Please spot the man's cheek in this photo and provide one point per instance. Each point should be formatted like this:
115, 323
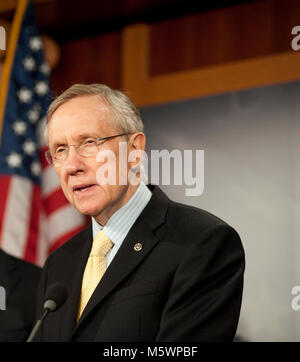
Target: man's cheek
67, 192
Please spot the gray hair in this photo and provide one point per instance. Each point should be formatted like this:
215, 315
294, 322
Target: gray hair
126, 117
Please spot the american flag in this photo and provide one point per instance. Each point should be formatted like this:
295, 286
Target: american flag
35, 217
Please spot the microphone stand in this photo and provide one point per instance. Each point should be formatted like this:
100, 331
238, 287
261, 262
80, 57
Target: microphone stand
37, 326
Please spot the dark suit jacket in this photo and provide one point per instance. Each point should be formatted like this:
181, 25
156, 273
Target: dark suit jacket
184, 285
20, 280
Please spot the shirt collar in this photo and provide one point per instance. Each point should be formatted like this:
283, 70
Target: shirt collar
119, 224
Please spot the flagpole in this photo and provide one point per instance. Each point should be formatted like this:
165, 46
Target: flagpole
10, 55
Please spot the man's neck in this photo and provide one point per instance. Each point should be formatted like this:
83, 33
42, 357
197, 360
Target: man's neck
103, 218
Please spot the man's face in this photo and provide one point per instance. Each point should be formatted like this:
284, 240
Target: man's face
78, 118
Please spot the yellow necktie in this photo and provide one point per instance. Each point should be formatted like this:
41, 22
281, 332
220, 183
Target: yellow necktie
94, 269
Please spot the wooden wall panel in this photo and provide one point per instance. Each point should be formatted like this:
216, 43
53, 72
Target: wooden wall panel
224, 35
89, 60
148, 90
217, 51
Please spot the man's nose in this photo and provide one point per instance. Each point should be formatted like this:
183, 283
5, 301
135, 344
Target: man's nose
74, 163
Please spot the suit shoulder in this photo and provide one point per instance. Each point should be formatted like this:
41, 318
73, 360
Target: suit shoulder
184, 222
72, 243
201, 230
193, 216
31, 271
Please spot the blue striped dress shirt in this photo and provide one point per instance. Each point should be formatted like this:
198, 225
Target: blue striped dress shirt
119, 224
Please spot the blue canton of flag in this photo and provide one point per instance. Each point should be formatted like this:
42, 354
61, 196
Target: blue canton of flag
27, 102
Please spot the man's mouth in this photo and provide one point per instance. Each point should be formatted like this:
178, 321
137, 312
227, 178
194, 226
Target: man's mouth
82, 188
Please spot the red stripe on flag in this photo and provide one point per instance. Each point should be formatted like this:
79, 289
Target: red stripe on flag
55, 201
62, 239
43, 160
4, 184
30, 252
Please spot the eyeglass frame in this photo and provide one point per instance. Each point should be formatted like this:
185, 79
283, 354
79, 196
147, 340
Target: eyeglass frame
50, 159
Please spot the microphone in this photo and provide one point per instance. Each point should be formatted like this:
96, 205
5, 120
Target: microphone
55, 297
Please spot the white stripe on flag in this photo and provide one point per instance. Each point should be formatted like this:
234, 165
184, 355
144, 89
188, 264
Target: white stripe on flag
50, 181
41, 132
17, 214
63, 221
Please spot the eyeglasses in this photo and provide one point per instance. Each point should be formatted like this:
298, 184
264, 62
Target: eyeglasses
86, 148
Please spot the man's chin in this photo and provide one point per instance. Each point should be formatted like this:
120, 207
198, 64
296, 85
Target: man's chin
87, 210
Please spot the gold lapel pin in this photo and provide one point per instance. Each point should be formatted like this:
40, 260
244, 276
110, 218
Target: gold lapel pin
138, 247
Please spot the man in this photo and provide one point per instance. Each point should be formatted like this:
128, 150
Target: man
19, 281
165, 271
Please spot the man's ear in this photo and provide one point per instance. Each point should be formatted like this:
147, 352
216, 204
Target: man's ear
137, 141
136, 149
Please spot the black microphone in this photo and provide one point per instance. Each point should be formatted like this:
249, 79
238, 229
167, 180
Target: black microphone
55, 297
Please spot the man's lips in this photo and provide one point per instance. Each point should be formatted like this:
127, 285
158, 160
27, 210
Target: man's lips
82, 188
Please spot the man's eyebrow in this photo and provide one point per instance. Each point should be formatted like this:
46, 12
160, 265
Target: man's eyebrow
57, 144
78, 139
88, 135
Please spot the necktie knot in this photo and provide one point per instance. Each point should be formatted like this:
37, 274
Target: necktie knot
101, 244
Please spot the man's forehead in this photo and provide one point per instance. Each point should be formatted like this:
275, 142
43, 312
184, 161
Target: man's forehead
77, 126
79, 130
82, 110
83, 105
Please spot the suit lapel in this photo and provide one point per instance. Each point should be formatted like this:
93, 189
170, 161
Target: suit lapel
73, 278
127, 259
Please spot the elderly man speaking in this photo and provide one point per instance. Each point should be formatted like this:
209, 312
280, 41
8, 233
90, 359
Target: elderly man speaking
147, 269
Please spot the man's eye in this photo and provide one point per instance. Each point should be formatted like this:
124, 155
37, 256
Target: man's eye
60, 150
89, 142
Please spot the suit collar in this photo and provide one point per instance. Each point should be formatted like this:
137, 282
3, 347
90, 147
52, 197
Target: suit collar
155, 211
127, 259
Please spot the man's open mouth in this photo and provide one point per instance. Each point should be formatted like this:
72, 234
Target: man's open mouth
82, 188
